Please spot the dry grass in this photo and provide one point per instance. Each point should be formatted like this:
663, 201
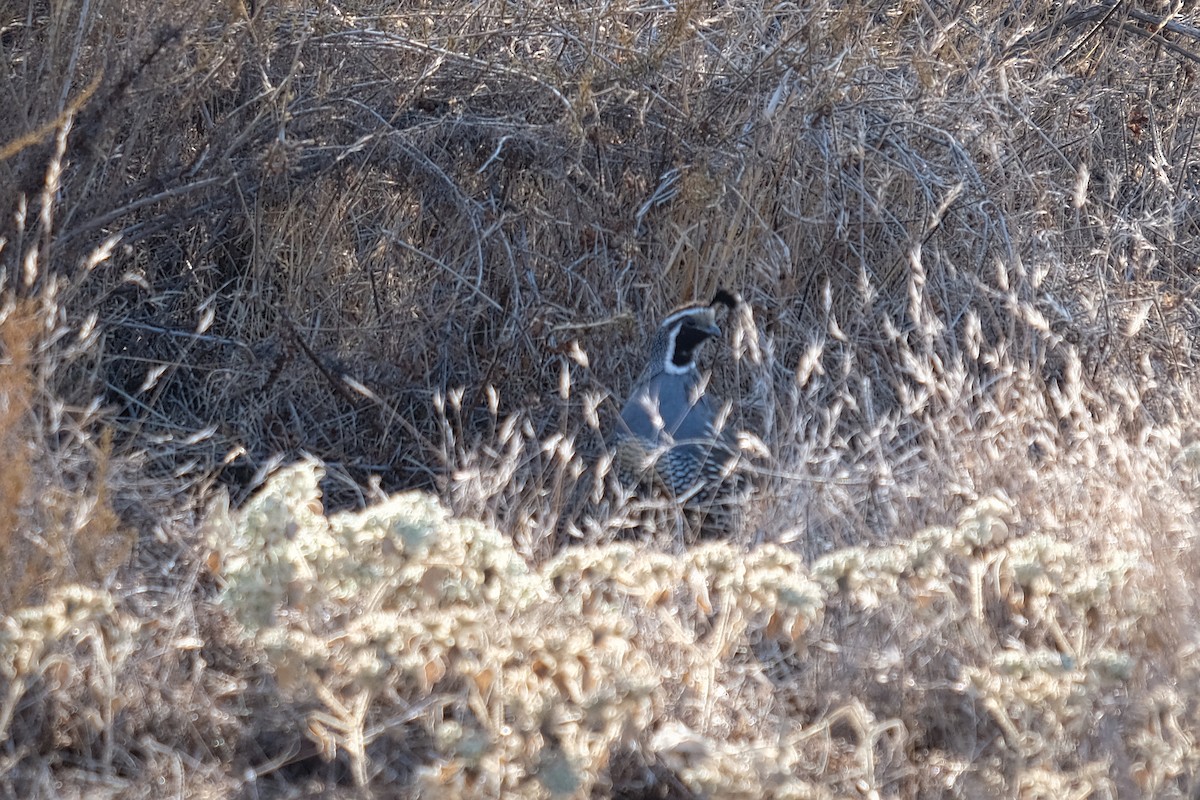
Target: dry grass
426, 245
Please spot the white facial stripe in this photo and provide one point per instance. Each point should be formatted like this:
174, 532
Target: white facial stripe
685, 312
669, 363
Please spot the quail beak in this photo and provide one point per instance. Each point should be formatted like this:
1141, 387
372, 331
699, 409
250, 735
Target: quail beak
711, 330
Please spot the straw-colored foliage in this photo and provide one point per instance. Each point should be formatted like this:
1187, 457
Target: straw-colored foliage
314, 317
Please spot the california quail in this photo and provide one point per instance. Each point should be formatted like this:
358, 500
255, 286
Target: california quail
669, 435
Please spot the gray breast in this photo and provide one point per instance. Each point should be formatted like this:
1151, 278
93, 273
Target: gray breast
669, 408
668, 435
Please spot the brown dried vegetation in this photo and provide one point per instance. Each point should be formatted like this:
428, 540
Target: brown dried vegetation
424, 244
